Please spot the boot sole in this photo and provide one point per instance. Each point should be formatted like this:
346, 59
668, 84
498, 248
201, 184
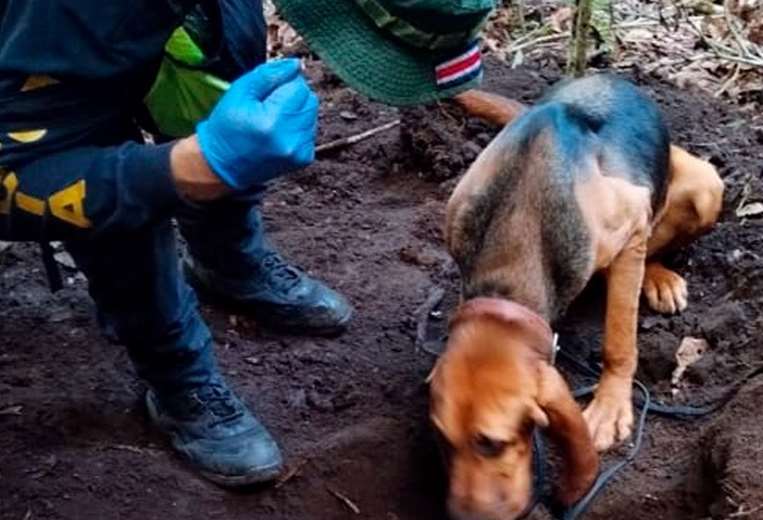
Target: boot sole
263, 475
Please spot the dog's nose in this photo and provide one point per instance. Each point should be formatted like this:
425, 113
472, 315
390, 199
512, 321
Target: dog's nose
465, 509
461, 513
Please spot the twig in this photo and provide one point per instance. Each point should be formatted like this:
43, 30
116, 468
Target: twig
293, 472
652, 20
742, 512
352, 139
739, 59
523, 43
543, 39
525, 37
746, 191
11, 410
728, 82
126, 447
732, 27
578, 57
678, 61
723, 51
436, 294
346, 501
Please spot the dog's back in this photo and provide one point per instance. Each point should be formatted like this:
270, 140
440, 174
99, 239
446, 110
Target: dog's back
631, 136
517, 225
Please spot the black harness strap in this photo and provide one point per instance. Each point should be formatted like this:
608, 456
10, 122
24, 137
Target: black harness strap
52, 270
576, 510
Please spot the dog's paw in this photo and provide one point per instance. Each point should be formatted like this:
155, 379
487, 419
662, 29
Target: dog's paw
609, 418
665, 290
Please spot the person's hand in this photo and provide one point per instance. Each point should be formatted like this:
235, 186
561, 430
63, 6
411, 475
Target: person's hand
262, 127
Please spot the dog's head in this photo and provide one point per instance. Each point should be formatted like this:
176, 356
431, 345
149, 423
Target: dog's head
492, 386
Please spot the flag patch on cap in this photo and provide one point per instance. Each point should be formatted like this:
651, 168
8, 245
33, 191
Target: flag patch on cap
464, 67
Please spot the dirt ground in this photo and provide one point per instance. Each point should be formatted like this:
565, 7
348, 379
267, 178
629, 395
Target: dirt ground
351, 411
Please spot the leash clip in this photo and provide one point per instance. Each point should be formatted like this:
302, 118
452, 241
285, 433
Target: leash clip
554, 348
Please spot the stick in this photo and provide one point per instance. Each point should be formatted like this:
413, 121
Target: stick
723, 52
352, 139
728, 81
522, 42
578, 59
742, 512
521, 13
132, 449
732, 27
11, 410
543, 39
525, 37
346, 501
291, 473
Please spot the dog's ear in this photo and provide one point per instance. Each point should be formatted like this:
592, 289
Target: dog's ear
433, 371
539, 417
568, 430
492, 108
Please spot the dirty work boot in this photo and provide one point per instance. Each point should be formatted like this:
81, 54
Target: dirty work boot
214, 431
279, 295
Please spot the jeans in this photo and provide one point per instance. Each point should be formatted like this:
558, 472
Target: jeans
119, 230
83, 176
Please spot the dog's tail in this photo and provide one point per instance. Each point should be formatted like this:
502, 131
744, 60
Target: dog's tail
492, 108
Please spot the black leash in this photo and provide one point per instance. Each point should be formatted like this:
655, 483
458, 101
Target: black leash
605, 476
646, 405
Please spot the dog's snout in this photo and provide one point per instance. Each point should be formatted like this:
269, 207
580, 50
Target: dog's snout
464, 508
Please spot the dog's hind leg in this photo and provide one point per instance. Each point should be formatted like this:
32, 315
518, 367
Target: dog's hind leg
693, 202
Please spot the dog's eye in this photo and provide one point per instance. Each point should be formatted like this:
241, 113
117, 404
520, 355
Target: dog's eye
488, 447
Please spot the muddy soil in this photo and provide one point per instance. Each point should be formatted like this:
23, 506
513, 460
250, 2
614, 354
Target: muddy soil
350, 412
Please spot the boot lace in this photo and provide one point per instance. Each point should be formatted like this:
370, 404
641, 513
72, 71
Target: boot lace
219, 401
279, 270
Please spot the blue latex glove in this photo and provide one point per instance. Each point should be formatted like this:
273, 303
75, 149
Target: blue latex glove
262, 127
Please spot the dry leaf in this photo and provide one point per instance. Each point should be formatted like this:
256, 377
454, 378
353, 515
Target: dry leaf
11, 410
65, 260
750, 210
689, 352
281, 36
561, 19
519, 59
745, 9
755, 28
638, 35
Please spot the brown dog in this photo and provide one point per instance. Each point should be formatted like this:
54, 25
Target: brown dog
584, 181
